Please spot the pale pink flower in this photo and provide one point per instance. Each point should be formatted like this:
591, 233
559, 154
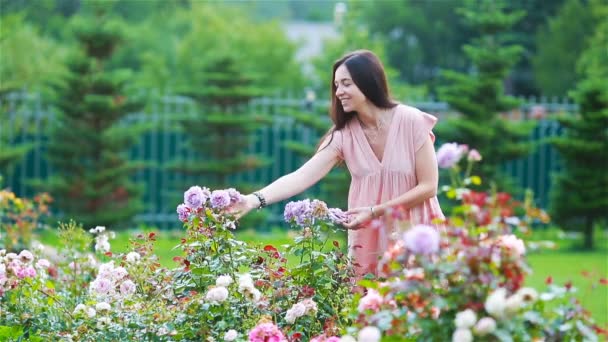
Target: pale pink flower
101, 286
448, 155
119, 273
370, 334
435, 312
266, 332
127, 287
485, 326
43, 263
371, 301
422, 239
26, 256
311, 306
474, 155
231, 335
297, 310
513, 244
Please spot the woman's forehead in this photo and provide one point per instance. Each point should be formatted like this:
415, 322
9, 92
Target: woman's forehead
341, 73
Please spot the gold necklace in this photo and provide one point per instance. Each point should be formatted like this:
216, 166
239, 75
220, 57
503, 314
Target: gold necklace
372, 134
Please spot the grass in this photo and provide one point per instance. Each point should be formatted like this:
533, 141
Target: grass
564, 264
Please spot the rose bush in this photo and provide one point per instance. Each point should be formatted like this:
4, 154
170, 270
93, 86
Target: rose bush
19, 217
461, 282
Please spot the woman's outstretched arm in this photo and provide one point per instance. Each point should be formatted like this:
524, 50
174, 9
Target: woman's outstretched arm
293, 183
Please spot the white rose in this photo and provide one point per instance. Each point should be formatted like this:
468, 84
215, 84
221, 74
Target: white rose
231, 335
103, 322
513, 304
369, 334
79, 308
224, 280
485, 326
133, 257
496, 302
299, 309
462, 335
217, 295
91, 312
290, 317
311, 306
347, 338
102, 306
465, 319
528, 294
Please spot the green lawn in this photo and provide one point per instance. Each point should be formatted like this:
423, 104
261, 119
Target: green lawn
563, 264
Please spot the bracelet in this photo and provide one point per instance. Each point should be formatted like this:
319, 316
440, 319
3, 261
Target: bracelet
261, 199
372, 210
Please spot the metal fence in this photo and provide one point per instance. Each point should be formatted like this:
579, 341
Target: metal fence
29, 115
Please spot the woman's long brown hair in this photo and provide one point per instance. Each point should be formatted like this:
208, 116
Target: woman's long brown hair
368, 75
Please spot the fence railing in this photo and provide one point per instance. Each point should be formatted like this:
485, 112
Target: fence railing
28, 117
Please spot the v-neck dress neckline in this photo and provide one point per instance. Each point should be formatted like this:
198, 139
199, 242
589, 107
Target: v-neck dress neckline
387, 143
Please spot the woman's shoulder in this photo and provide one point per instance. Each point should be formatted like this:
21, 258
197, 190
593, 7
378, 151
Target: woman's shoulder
408, 111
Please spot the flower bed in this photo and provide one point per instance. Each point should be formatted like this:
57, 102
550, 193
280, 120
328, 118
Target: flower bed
461, 283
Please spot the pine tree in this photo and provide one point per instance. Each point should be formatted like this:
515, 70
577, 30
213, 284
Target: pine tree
10, 151
334, 187
479, 96
224, 127
89, 140
579, 196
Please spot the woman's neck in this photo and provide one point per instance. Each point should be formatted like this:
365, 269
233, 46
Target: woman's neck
372, 116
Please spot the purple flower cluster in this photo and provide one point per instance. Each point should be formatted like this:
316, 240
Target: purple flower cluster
197, 197
422, 239
220, 199
448, 155
183, 212
336, 215
299, 211
305, 212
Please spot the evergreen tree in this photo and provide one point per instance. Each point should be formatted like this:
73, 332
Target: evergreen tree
559, 44
479, 95
334, 187
579, 197
223, 129
10, 152
89, 139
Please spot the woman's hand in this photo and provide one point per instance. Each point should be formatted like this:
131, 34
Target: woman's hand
358, 217
248, 203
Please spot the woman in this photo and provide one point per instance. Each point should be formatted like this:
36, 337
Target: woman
388, 149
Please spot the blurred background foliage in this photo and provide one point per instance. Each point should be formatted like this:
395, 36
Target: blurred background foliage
286, 49
168, 40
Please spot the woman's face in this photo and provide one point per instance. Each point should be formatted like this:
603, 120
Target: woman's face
349, 95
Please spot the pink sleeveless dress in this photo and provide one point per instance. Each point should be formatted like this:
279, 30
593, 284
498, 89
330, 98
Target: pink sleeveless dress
374, 181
